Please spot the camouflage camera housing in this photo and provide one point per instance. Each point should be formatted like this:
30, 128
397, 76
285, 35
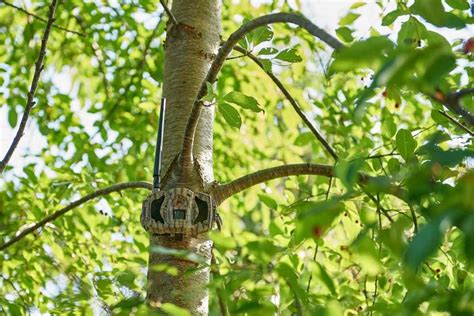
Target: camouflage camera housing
178, 211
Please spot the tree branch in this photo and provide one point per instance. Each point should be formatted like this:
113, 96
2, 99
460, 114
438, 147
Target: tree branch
223, 191
292, 101
41, 19
455, 122
39, 66
91, 196
169, 13
224, 51
452, 102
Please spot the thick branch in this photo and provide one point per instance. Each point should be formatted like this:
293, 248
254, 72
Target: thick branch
39, 66
452, 101
40, 18
91, 196
224, 191
292, 101
225, 50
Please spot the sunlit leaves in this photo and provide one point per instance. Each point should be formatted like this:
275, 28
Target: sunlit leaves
230, 114
390, 17
426, 241
257, 36
433, 12
12, 117
406, 144
289, 55
459, 4
345, 34
242, 100
370, 53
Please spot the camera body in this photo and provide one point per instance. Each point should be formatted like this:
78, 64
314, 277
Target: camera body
178, 211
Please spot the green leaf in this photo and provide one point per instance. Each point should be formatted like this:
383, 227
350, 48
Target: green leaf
425, 242
289, 55
127, 279
325, 278
210, 95
459, 4
467, 227
370, 53
174, 310
242, 100
348, 172
433, 12
230, 114
391, 17
349, 19
268, 201
406, 144
12, 117
315, 218
357, 5
267, 51
222, 242
389, 128
260, 35
345, 34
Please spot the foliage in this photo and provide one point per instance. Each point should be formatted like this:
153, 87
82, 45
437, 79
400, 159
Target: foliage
302, 245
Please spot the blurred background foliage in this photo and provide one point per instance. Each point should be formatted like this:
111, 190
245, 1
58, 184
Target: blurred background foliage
303, 245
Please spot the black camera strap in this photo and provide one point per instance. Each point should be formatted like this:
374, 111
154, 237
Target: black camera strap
159, 146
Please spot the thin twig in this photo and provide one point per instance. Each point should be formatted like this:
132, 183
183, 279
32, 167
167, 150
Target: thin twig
314, 259
456, 122
413, 217
41, 19
317, 246
18, 292
292, 101
379, 206
91, 196
39, 66
224, 51
452, 101
169, 13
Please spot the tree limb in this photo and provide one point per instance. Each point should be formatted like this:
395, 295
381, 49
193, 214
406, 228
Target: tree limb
41, 19
452, 102
455, 122
292, 101
224, 51
91, 196
169, 13
223, 191
39, 66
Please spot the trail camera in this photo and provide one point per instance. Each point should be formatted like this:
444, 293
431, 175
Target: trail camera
178, 211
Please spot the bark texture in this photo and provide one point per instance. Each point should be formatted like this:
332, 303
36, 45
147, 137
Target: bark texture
190, 48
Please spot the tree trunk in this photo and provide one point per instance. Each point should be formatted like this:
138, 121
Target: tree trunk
190, 48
